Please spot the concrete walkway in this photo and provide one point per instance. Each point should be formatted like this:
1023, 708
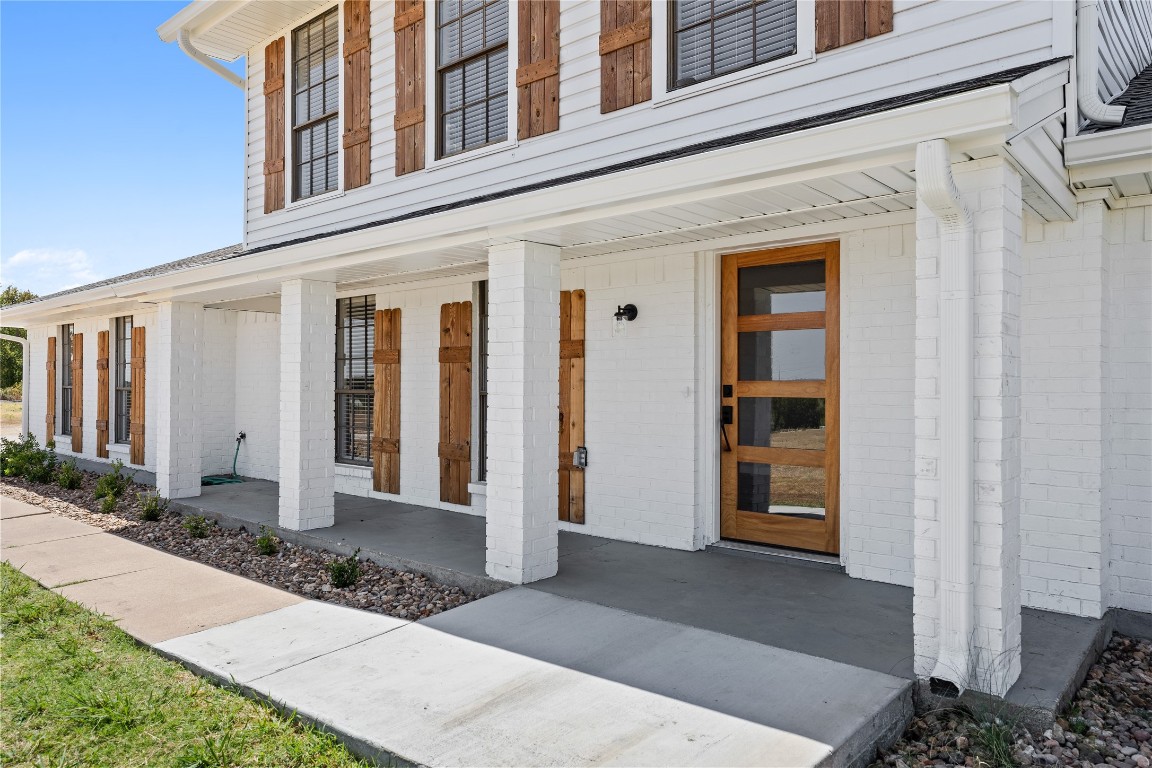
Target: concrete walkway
522, 677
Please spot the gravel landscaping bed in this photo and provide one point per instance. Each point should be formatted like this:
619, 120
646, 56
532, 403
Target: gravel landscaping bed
296, 569
1107, 725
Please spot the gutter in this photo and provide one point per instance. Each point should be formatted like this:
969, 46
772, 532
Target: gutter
1087, 61
937, 190
184, 40
24, 383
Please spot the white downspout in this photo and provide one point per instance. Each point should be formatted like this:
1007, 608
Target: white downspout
184, 40
24, 382
1087, 76
937, 189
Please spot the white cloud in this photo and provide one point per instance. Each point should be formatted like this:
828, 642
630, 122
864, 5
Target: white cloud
47, 270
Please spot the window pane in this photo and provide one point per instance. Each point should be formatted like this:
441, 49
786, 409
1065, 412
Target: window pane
316, 85
782, 422
779, 288
711, 39
780, 489
781, 355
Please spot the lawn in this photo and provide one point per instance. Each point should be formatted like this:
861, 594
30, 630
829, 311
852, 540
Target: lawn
10, 413
78, 691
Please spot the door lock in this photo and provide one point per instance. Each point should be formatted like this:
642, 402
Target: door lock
726, 413
726, 390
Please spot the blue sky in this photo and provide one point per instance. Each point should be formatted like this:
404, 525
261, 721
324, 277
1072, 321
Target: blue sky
117, 151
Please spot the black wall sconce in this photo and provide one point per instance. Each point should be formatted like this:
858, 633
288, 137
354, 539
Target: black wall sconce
627, 312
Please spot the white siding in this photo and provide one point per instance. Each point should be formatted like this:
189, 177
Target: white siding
1124, 43
934, 43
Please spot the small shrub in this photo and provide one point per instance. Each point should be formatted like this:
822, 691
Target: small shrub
345, 571
23, 457
197, 526
152, 506
266, 543
114, 483
69, 476
108, 506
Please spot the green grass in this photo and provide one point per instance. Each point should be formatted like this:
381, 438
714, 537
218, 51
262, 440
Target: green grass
10, 413
77, 691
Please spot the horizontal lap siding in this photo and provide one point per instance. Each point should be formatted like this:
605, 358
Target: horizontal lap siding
946, 42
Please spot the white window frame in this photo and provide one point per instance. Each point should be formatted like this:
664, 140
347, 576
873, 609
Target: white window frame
661, 56
289, 143
431, 102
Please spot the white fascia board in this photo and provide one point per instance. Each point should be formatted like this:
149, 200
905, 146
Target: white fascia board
976, 119
196, 17
1121, 144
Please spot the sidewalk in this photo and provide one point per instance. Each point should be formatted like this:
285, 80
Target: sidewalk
518, 678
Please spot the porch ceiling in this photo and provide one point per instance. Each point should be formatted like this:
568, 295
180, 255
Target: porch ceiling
228, 29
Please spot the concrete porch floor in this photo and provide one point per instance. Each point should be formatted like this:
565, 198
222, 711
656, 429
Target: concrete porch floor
815, 611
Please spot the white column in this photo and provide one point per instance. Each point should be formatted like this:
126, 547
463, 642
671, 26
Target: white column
307, 404
523, 398
177, 374
990, 190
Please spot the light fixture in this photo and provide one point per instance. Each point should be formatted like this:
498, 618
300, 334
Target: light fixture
627, 312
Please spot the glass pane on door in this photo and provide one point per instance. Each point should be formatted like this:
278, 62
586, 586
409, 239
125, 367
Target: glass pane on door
780, 489
774, 289
781, 355
782, 422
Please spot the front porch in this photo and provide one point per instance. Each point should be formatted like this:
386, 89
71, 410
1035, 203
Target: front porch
799, 607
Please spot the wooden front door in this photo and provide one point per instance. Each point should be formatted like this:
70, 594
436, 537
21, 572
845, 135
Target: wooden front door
780, 393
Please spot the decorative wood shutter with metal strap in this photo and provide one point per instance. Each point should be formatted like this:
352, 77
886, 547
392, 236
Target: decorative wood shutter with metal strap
625, 53
538, 73
102, 394
840, 22
357, 94
386, 403
455, 401
409, 121
136, 421
78, 392
571, 404
50, 414
274, 109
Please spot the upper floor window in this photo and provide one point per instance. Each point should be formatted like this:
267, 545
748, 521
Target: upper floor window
472, 74
66, 338
355, 378
710, 38
316, 106
123, 379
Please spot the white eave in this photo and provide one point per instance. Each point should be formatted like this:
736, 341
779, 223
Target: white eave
1119, 160
228, 29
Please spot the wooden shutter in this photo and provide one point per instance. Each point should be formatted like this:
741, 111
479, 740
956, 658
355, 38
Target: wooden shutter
571, 404
538, 72
136, 415
840, 22
102, 394
455, 401
357, 94
409, 122
386, 403
625, 53
274, 108
78, 392
50, 414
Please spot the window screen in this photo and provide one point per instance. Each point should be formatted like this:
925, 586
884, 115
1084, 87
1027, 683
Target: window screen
472, 72
316, 106
355, 377
123, 378
714, 37
65, 419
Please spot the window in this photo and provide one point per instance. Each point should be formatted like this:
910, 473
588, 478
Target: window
123, 379
482, 382
472, 74
714, 37
316, 106
65, 420
355, 377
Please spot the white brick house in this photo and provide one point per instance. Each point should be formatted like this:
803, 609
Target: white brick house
891, 265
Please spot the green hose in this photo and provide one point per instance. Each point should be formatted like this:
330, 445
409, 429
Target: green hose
220, 479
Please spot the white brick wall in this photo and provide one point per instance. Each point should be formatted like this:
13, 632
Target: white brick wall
307, 406
1062, 338
257, 378
175, 371
877, 372
1128, 440
991, 191
640, 391
218, 392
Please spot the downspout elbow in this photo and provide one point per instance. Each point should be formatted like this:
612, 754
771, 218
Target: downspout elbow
1087, 55
937, 189
184, 40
